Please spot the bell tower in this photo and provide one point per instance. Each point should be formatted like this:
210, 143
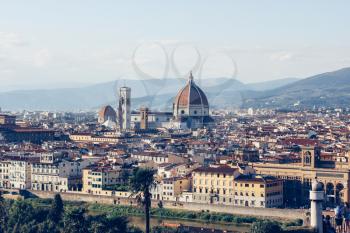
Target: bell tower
310, 156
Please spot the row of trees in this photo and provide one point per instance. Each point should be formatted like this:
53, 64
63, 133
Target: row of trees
24, 217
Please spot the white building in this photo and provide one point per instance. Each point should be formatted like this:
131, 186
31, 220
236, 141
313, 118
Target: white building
15, 171
57, 174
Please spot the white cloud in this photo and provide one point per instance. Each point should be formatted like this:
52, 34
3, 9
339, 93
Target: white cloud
41, 57
282, 56
10, 39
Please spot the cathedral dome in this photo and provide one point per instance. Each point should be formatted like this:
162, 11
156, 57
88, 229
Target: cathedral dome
107, 113
191, 101
191, 94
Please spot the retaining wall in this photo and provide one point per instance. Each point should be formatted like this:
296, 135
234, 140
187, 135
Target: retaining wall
110, 200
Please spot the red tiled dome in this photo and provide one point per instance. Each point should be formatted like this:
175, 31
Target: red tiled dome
191, 94
107, 112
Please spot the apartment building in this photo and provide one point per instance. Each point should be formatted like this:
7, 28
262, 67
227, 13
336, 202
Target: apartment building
173, 187
258, 191
101, 177
15, 171
58, 174
214, 184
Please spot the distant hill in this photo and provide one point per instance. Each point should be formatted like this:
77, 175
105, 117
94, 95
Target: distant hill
155, 93
268, 85
323, 90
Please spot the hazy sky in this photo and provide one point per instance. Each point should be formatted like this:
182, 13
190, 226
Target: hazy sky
68, 42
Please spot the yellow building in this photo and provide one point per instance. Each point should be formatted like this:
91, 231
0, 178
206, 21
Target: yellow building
258, 191
214, 185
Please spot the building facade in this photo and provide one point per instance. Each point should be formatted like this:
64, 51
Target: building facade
99, 178
214, 185
258, 191
297, 178
57, 174
15, 172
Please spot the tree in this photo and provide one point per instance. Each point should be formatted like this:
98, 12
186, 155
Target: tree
20, 214
3, 214
117, 224
97, 224
103, 224
265, 226
57, 209
74, 221
141, 183
47, 227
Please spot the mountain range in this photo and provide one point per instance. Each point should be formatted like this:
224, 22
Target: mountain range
327, 89
331, 89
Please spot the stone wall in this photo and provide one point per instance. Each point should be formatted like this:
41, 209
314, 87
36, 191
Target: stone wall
258, 212
236, 210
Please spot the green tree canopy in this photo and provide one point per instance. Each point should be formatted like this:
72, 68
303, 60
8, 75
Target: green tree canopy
265, 226
74, 221
57, 209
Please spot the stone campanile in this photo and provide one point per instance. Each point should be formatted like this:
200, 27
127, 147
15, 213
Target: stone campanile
124, 114
144, 118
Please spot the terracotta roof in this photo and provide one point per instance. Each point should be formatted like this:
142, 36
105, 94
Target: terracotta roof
300, 141
258, 179
220, 169
191, 94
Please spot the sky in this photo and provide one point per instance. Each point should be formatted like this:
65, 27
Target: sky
65, 43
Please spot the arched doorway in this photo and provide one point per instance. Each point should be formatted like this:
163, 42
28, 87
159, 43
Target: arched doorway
330, 197
339, 192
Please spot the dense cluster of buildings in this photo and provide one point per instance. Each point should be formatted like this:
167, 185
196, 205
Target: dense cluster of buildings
247, 158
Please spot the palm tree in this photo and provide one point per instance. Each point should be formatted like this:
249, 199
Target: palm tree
141, 183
